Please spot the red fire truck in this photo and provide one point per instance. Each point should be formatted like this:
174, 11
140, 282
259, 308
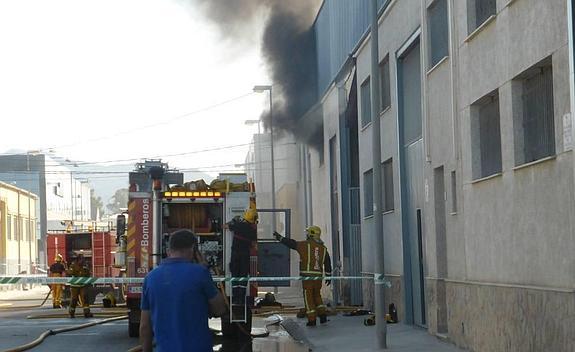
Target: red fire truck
161, 203
97, 247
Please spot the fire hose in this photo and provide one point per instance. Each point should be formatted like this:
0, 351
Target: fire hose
50, 332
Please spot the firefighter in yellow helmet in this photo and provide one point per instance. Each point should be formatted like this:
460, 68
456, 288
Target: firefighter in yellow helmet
57, 269
245, 230
79, 291
314, 262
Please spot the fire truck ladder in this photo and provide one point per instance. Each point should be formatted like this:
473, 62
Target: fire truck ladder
239, 311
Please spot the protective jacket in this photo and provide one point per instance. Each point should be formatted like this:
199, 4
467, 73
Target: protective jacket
57, 268
314, 257
78, 270
244, 234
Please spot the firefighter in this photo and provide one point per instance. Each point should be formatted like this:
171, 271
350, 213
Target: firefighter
79, 291
314, 262
245, 233
57, 269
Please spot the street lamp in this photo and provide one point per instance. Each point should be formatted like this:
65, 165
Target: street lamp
261, 89
253, 122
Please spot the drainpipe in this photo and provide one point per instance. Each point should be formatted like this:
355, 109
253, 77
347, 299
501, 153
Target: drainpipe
309, 186
381, 324
303, 165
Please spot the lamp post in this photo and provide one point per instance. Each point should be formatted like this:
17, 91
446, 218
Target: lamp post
253, 122
261, 89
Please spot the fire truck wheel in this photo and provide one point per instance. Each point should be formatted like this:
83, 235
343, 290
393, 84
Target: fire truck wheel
133, 329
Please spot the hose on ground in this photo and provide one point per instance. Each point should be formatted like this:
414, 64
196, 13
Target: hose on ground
47, 333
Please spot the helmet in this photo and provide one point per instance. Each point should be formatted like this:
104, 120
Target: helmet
251, 215
313, 232
58, 257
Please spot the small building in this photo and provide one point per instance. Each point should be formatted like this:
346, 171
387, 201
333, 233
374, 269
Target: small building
18, 244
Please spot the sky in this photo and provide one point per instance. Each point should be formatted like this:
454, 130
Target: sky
103, 80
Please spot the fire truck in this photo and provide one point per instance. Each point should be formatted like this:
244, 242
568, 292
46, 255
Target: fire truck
160, 203
97, 247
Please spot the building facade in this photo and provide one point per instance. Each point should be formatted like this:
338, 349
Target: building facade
62, 196
477, 165
18, 244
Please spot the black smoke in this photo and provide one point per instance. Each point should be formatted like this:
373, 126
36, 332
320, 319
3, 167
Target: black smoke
288, 47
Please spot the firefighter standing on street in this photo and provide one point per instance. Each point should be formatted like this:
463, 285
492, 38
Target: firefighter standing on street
245, 233
79, 291
57, 269
314, 262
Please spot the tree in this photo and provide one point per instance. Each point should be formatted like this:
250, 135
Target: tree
119, 200
96, 206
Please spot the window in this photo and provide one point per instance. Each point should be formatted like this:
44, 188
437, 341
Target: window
385, 85
438, 32
23, 230
534, 125
485, 136
32, 225
17, 228
368, 193
478, 11
453, 193
387, 182
9, 226
365, 102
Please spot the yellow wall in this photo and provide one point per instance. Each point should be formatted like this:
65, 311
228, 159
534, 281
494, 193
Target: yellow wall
18, 208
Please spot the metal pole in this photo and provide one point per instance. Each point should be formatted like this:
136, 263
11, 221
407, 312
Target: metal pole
571, 34
272, 163
381, 324
156, 229
274, 228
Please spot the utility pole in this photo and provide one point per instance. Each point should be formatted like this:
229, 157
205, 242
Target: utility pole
381, 324
571, 35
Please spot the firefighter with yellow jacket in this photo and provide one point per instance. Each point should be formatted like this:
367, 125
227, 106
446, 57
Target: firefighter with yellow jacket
79, 291
314, 262
57, 269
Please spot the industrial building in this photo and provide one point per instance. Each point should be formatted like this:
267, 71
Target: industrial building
18, 244
62, 196
477, 165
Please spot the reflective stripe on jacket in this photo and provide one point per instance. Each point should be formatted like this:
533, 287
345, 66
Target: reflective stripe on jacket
314, 257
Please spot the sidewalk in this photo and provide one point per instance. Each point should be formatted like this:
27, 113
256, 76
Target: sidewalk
17, 294
343, 333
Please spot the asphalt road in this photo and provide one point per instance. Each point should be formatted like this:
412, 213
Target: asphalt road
16, 329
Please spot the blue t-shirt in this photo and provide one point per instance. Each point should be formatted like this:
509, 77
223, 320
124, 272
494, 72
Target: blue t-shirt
176, 293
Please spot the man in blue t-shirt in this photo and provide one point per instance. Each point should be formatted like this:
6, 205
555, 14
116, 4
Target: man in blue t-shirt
178, 297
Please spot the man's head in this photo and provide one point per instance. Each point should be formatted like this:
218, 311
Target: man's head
182, 244
58, 258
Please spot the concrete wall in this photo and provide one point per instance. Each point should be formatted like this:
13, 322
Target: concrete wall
397, 24
497, 252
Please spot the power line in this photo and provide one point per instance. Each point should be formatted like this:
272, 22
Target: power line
144, 127
218, 148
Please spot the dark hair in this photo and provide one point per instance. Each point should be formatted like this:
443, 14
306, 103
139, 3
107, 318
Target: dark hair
182, 239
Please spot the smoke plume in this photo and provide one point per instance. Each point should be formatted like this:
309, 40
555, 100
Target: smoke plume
288, 47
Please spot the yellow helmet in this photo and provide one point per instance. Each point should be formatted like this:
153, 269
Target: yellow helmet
313, 232
251, 215
58, 257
